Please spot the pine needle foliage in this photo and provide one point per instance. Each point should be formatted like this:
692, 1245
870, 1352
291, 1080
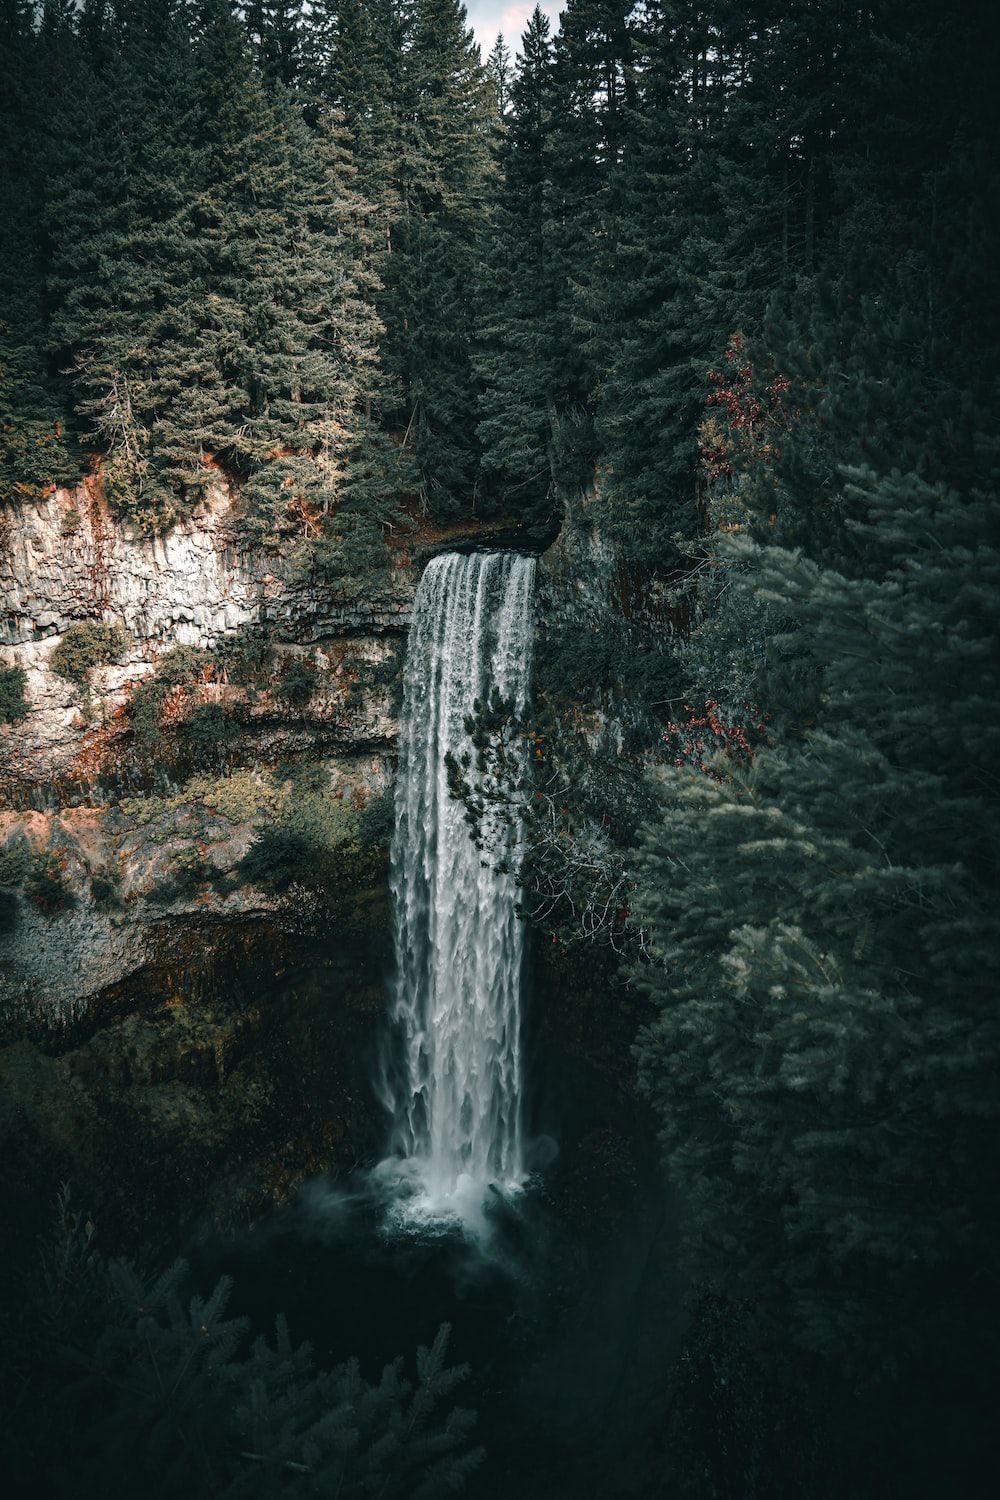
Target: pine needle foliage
167, 1390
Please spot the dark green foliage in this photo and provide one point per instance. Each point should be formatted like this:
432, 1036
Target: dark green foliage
207, 737
416, 103
297, 683
89, 644
825, 914
189, 872
13, 703
158, 1384
179, 668
15, 861
46, 883
246, 655
15, 864
517, 329
33, 450
208, 275
277, 858
376, 823
105, 886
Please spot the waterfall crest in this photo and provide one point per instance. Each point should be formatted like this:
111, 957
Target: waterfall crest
455, 1084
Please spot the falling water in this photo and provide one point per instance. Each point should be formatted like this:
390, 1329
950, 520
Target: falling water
455, 1085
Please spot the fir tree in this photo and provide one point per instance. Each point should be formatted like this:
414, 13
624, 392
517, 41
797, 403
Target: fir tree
514, 358
33, 452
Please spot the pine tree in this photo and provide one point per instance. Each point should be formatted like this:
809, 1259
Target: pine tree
33, 452
131, 311
593, 94
442, 112
275, 29
498, 69
825, 907
514, 358
221, 316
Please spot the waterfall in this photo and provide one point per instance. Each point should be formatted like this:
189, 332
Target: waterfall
455, 1084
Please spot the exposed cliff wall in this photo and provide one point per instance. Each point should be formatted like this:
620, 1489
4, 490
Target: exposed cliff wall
92, 855
63, 560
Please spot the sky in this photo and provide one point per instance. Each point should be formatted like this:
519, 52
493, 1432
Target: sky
487, 17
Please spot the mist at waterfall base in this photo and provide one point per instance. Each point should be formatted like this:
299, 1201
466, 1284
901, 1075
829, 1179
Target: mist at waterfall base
563, 1300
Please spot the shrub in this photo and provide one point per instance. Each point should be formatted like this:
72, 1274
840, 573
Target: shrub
46, 884
188, 871
13, 703
247, 654
87, 645
208, 735
276, 858
376, 822
105, 886
180, 666
10, 910
298, 683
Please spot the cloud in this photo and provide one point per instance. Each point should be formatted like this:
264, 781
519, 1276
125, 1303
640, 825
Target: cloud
487, 17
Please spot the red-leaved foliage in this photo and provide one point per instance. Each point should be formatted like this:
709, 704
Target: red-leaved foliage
706, 733
753, 415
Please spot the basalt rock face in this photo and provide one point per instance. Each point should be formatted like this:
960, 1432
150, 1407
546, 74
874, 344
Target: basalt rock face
181, 1038
64, 561
96, 894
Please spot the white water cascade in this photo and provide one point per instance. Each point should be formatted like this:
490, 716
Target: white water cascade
455, 1084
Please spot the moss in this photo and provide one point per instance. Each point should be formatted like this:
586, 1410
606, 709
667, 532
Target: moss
85, 646
13, 703
239, 797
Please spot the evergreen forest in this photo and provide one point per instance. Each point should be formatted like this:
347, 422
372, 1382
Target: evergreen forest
698, 298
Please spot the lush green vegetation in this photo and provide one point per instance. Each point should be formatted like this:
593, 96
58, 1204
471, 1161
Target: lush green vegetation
89, 644
13, 703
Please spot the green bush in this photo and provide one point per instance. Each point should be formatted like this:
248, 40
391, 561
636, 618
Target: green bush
179, 667
376, 822
87, 645
105, 886
117, 1372
208, 736
247, 654
10, 910
298, 683
182, 664
13, 703
189, 871
276, 858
